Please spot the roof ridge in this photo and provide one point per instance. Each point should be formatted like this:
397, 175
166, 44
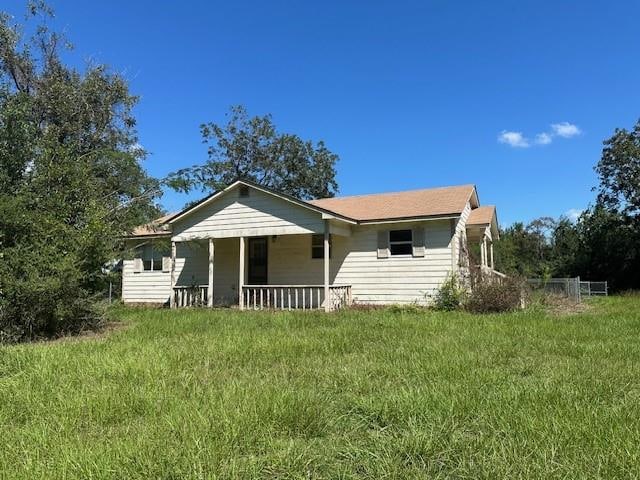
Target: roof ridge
393, 193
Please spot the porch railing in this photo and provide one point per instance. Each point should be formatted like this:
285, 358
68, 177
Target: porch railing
290, 297
190, 296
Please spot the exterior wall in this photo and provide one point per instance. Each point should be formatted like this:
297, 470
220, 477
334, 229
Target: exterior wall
397, 279
354, 261
460, 232
258, 214
460, 259
192, 268
290, 262
144, 287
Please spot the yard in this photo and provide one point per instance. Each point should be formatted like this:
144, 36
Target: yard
378, 394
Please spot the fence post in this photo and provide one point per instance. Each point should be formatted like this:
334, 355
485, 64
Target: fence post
578, 292
606, 288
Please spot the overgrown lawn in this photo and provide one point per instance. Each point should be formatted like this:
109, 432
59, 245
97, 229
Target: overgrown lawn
380, 394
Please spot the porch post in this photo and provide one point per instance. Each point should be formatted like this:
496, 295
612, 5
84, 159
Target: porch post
210, 287
482, 253
241, 275
327, 299
491, 254
172, 297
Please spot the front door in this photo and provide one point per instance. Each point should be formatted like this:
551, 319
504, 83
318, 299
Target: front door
258, 255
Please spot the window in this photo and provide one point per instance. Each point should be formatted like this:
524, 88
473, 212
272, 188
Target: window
317, 246
151, 258
400, 242
244, 191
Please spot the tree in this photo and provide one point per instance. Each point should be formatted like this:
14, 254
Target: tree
252, 149
619, 172
71, 182
567, 250
525, 250
609, 248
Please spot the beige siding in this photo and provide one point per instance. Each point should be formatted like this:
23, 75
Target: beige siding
192, 268
144, 287
225, 271
259, 214
291, 250
354, 262
155, 286
394, 279
460, 232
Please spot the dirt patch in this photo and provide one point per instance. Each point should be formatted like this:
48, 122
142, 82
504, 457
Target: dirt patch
563, 306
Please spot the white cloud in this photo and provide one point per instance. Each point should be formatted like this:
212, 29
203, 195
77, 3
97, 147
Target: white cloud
565, 129
519, 140
573, 214
543, 139
513, 139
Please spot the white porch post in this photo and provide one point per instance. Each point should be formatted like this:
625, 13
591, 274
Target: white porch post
327, 299
172, 298
241, 275
210, 286
491, 254
482, 253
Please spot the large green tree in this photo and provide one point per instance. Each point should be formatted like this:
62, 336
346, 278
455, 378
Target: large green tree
619, 172
251, 148
71, 181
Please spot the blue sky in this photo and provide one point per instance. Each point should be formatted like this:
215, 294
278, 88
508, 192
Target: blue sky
409, 94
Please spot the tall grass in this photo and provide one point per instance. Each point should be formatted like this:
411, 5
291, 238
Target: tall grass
379, 394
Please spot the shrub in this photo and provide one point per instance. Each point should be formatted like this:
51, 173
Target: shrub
43, 296
493, 297
449, 296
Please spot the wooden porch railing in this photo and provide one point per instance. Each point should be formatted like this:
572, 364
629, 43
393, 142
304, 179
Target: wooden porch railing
190, 296
290, 297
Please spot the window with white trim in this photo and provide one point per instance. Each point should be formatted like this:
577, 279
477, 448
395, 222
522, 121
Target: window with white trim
151, 258
400, 242
317, 246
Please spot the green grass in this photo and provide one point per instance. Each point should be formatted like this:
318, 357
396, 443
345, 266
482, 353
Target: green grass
381, 394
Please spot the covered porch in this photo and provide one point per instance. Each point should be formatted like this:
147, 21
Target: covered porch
279, 271
482, 231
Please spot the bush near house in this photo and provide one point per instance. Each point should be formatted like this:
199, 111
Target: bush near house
450, 296
505, 295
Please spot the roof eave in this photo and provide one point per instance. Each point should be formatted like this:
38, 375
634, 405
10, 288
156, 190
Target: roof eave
439, 216
146, 236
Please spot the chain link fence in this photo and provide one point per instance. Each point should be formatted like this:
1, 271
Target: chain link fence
572, 288
594, 289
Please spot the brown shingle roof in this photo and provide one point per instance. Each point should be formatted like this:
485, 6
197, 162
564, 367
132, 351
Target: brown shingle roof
482, 215
154, 228
409, 204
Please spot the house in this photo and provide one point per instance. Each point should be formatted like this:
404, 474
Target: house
256, 248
